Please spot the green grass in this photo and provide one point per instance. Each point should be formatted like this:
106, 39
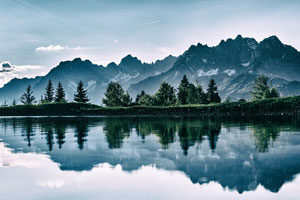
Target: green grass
275, 106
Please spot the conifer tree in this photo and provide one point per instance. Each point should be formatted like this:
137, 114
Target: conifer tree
49, 95
201, 96
183, 91
261, 89
115, 96
212, 92
127, 100
165, 96
14, 103
81, 96
60, 94
27, 98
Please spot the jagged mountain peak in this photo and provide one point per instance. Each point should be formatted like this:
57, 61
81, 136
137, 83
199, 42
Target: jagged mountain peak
272, 42
129, 60
112, 65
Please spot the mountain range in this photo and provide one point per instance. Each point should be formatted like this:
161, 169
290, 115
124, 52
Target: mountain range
234, 64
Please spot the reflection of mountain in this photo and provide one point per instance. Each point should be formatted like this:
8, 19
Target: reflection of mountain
237, 155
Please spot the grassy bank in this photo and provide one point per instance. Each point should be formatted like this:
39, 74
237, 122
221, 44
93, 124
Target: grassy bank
276, 106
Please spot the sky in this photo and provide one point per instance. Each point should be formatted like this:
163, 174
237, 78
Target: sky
36, 35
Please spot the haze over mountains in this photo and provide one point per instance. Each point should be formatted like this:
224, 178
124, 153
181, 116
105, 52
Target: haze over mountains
234, 64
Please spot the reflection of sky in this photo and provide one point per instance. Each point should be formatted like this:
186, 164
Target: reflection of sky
144, 168
47, 181
43, 33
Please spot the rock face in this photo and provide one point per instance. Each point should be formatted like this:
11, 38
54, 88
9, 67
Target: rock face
234, 64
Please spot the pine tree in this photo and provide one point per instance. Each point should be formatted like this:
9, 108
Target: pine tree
212, 94
42, 100
144, 99
115, 96
165, 96
261, 89
127, 100
274, 93
27, 98
14, 103
183, 91
139, 96
49, 95
81, 96
201, 96
60, 94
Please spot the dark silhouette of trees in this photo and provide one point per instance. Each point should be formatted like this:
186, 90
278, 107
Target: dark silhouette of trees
115, 96
14, 103
60, 94
212, 92
261, 89
49, 94
81, 96
144, 99
183, 91
27, 98
165, 96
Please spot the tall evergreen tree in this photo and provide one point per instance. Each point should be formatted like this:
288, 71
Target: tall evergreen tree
212, 92
27, 98
183, 91
144, 99
14, 103
115, 96
201, 95
139, 96
261, 89
60, 93
81, 96
127, 100
49, 95
165, 96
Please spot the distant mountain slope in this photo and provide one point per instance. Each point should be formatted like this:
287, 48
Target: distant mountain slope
234, 64
95, 77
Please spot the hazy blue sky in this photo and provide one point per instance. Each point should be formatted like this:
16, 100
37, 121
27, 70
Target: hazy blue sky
36, 34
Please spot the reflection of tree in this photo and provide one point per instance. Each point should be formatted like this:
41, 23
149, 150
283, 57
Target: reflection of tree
46, 128
27, 129
264, 135
60, 131
191, 132
115, 131
81, 132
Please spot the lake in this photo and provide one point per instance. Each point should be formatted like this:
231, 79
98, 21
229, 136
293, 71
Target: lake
149, 158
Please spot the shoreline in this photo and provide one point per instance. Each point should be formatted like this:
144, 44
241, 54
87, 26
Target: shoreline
288, 106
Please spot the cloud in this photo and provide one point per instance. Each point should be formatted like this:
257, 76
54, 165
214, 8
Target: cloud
54, 48
50, 48
116, 41
152, 22
9, 71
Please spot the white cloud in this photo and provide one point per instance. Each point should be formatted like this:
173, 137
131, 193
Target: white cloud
9, 71
55, 48
51, 48
116, 41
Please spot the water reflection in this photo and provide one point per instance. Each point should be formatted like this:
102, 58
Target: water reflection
237, 154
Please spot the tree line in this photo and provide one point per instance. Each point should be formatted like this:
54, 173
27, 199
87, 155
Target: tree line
50, 96
166, 95
186, 93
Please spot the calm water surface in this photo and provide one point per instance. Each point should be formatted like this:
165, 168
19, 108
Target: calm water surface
148, 158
